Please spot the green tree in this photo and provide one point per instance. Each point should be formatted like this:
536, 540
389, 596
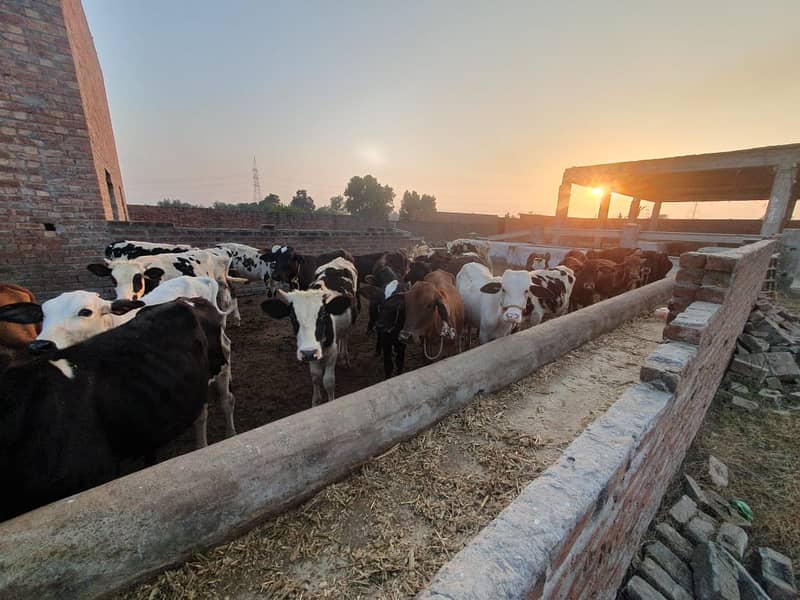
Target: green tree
173, 203
270, 202
412, 203
302, 201
365, 197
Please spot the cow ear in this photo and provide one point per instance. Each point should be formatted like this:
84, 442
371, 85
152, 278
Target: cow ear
542, 292
442, 310
370, 279
492, 287
23, 313
122, 306
99, 269
154, 273
371, 292
276, 308
338, 305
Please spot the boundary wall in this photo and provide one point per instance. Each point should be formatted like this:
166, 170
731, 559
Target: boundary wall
573, 531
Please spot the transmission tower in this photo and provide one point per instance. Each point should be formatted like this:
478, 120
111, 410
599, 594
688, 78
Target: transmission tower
257, 197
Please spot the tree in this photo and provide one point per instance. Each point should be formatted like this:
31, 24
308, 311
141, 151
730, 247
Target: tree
368, 198
337, 203
302, 201
412, 204
173, 203
270, 202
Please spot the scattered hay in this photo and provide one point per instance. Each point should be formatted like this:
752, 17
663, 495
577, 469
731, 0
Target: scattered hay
387, 529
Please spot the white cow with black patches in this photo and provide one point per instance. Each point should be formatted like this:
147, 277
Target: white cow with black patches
73, 317
246, 261
322, 318
552, 289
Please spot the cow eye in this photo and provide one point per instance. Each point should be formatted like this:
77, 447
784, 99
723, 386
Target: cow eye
85, 312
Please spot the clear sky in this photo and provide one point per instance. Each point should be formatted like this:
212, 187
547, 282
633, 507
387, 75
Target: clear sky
482, 104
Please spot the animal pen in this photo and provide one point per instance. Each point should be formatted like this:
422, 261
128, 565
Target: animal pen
571, 528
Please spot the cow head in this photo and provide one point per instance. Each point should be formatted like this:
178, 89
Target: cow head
632, 267
282, 266
417, 271
132, 279
426, 312
311, 314
538, 261
515, 290
74, 317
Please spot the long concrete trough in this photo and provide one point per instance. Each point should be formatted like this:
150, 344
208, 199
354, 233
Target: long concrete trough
108, 537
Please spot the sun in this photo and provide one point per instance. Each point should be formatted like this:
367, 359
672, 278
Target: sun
598, 192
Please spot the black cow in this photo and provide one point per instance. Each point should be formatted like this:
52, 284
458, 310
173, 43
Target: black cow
656, 266
69, 417
387, 298
297, 271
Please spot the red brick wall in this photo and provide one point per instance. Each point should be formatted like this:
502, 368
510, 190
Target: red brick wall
95, 106
247, 219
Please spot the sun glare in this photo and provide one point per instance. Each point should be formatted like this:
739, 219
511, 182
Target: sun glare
597, 192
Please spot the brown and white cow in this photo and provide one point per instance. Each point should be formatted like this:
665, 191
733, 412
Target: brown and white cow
434, 314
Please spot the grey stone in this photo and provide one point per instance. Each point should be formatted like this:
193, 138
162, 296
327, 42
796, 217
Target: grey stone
683, 510
783, 365
774, 572
666, 363
674, 541
741, 350
733, 539
756, 316
718, 471
660, 579
739, 388
639, 589
753, 366
714, 577
753, 344
767, 393
774, 383
715, 505
693, 489
740, 402
669, 561
699, 530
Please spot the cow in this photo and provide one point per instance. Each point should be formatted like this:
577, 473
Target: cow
470, 248
246, 261
438, 260
14, 337
291, 270
595, 273
434, 311
493, 305
417, 271
656, 266
552, 290
386, 296
537, 260
129, 249
69, 417
74, 317
136, 277
616, 255
381, 276
322, 317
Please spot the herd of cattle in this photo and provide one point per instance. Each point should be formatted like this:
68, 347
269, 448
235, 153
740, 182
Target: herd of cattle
96, 382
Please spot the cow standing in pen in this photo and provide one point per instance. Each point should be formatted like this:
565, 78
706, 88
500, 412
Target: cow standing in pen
322, 318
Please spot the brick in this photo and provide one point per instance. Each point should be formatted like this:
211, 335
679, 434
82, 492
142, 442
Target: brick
683, 511
714, 577
733, 539
699, 530
722, 262
660, 580
638, 589
671, 563
691, 276
775, 573
693, 260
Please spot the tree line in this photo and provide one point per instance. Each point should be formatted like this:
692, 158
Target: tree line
363, 197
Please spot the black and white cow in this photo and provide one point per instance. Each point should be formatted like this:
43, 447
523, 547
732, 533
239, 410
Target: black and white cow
246, 261
322, 318
551, 289
291, 270
69, 417
129, 249
387, 310
73, 317
136, 277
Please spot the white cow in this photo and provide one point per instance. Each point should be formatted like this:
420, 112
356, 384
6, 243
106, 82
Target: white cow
73, 317
493, 305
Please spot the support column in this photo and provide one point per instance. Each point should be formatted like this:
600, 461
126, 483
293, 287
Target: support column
654, 216
779, 201
562, 208
633, 211
602, 213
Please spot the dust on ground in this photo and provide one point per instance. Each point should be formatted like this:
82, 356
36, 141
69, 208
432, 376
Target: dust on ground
385, 530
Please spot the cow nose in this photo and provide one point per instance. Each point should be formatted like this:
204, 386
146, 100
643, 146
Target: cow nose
308, 355
39, 346
513, 316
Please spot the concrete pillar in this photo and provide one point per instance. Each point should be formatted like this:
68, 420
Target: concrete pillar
779, 200
654, 216
562, 208
630, 236
602, 213
633, 212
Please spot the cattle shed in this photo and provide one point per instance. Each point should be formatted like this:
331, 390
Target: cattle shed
766, 173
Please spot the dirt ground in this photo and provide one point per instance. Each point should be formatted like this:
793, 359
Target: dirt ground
385, 530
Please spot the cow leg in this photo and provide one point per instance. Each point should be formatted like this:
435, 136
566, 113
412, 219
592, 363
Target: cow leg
200, 428
329, 378
378, 345
401, 356
386, 342
227, 401
316, 380
237, 317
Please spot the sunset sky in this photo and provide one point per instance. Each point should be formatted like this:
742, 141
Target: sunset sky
481, 104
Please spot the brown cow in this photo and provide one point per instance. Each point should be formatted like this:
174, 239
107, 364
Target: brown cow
434, 313
14, 337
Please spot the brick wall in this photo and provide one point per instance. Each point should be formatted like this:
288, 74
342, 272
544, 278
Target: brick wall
573, 531
95, 108
247, 219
